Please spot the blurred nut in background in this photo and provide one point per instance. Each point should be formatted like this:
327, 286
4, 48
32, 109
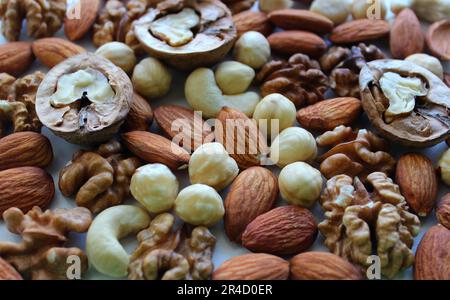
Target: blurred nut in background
234, 77
444, 167
151, 79
271, 5
335, 10
443, 211
199, 204
155, 187
300, 184
363, 9
398, 5
119, 54
252, 49
428, 62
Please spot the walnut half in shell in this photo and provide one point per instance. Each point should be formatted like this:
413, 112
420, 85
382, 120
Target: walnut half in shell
405, 102
85, 99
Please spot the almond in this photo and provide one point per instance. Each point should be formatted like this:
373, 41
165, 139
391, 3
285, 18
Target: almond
253, 267
183, 123
438, 39
25, 149
282, 231
252, 21
407, 37
418, 182
52, 51
432, 255
25, 188
329, 114
154, 148
359, 31
322, 266
296, 41
80, 18
140, 117
301, 19
252, 193
15, 57
7, 272
443, 211
240, 133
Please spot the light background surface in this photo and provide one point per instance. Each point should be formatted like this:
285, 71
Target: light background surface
224, 248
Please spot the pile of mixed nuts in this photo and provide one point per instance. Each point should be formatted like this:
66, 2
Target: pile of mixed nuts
252, 70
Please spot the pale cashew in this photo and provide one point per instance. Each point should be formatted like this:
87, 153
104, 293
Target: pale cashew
103, 248
203, 94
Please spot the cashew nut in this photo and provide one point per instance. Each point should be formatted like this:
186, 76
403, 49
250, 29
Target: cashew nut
103, 248
203, 94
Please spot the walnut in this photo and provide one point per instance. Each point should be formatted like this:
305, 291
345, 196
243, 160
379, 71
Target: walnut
344, 66
161, 247
299, 79
44, 18
41, 254
236, 6
354, 219
357, 154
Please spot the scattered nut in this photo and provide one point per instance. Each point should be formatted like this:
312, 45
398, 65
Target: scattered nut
335, 10
437, 38
76, 26
252, 21
271, 5
361, 30
252, 49
237, 6
151, 79
406, 26
140, 117
428, 62
443, 211
291, 42
398, 5
361, 9
119, 54
444, 167
431, 10
301, 19
234, 77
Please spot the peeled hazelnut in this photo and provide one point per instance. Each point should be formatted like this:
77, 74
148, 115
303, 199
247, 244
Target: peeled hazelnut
300, 184
428, 62
444, 167
119, 54
151, 78
363, 9
234, 78
155, 187
252, 49
335, 10
292, 145
271, 5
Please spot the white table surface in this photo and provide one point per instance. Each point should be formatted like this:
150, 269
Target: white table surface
224, 248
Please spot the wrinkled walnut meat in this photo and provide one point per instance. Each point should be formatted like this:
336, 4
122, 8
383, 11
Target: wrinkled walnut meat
17, 102
44, 18
299, 79
169, 253
41, 254
344, 66
355, 220
236, 6
85, 99
405, 102
354, 153
187, 33
99, 179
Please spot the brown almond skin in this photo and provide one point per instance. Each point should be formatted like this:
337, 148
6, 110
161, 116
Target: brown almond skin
407, 37
296, 41
15, 57
328, 114
52, 51
301, 19
253, 267
443, 211
437, 39
25, 188
252, 193
282, 231
418, 182
252, 21
25, 149
7, 272
322, 266
359, 31
154, 148
140, 117
76, 28
433, 256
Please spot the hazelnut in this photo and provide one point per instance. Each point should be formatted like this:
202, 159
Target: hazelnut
335, 10
234, 78
275, 107
271, 5
291, 145
155, 187
398, 5
428, 62
211, 164
199, 204
151, 79
363, 9
300, 184
252, 49
119, 54
444, 167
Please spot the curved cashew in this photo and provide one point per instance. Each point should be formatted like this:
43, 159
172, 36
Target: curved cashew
104, 251
203, 94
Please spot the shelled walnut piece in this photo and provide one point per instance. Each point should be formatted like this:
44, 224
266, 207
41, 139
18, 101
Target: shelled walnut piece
352, 216
17, 102
299, 79
170, 253
344, 65
99, 179
354, 153
41, 254
44, 18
